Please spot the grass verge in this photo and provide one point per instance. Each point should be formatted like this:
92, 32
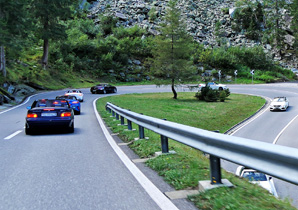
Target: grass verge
184, 169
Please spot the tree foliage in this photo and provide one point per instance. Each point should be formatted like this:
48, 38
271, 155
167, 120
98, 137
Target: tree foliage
49, 15
172, 50
294, 14
14, 26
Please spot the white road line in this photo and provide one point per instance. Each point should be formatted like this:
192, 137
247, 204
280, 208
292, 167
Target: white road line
280, 133
253, 118
17, 105
159, 198
13, 135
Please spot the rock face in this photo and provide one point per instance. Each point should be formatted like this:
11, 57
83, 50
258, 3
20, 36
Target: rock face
201, 17
14, 93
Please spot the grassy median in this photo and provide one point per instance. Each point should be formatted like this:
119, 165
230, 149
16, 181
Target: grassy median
184, 169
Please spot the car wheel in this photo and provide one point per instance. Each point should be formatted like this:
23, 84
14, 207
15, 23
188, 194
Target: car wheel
104, 91
115, 90
28, 131
71, 129
77, 112
220, 88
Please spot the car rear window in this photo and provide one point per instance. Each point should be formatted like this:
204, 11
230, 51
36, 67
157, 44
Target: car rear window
52, 103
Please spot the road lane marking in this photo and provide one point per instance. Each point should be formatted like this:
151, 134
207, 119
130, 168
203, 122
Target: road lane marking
280, 133
241, 125
158, 197
7, 110
13, 135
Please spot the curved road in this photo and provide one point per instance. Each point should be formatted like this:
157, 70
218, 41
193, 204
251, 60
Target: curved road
82, 170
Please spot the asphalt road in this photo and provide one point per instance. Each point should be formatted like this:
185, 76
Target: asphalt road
272, 127
83, 171
70, 171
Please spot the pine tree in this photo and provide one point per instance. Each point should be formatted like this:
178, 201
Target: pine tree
273, 25
172, 51
49, 14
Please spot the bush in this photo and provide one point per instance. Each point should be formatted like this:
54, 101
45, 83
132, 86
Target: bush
222, 96
210, 95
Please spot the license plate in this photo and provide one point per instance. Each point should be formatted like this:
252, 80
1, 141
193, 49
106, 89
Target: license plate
52, 114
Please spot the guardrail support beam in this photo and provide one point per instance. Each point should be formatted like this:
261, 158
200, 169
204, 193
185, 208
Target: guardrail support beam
122, 120
117, 116
129, 125
113, 113
215, 170
164, 144
141, 132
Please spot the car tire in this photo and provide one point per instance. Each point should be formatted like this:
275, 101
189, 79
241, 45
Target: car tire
115, 90
104, 92
220, 88
71, 129
28, 131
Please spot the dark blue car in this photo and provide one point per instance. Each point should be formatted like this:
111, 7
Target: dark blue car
73, 101
49, 114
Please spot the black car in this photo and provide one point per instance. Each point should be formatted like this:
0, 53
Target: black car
49, 114
103, 88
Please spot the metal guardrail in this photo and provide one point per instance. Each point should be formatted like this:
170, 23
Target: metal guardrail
275, 160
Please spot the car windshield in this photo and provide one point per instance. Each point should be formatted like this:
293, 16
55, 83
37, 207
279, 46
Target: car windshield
254, 176
279, 99
67, 97
51, 103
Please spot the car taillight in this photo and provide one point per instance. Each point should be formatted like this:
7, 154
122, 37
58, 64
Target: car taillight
66, 114
80, 94
75, 102
31, 115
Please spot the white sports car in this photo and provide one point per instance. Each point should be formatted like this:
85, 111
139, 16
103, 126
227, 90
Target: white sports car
279, 103
259, 178
213, 85
77, 93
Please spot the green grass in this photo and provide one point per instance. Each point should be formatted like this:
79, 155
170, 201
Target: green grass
184, 169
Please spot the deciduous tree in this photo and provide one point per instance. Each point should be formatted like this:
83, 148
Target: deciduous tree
14, 25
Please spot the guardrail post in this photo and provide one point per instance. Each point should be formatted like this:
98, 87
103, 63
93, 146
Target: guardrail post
113, 113
122, 120
117, 116
215, 170
164, 144
141, 132
108, 109
129, 126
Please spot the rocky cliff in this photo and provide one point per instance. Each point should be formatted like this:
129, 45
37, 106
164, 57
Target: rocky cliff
201, 17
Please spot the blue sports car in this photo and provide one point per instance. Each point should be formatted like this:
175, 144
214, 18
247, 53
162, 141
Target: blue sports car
73, 101
49, 113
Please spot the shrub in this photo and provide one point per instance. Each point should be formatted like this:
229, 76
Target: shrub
210, 95
222, 96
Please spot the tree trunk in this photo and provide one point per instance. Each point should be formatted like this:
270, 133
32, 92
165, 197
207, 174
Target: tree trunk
173, 89
2, 61
44, 60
